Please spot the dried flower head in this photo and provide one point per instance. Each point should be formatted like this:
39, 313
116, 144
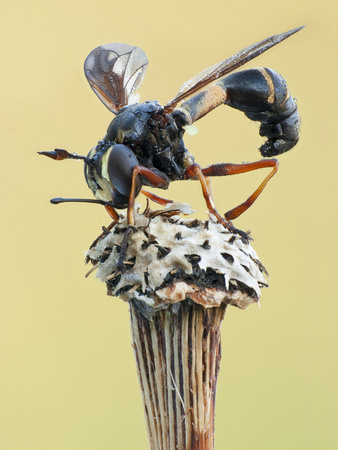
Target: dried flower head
170, 259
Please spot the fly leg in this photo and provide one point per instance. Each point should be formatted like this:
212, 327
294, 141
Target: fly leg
156, 198
194, 171
156, 181
217, 170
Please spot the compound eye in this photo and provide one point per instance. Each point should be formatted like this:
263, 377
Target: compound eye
121, 162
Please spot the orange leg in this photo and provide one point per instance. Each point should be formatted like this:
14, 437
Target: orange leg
194, 171
113, 214
234, 169
156, 181
156, 198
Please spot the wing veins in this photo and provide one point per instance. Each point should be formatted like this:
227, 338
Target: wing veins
228, 65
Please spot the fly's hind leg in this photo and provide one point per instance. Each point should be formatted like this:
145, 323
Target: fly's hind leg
194, 171
217, 170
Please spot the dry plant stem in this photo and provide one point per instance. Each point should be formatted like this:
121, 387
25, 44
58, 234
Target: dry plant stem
178, 353
179, 276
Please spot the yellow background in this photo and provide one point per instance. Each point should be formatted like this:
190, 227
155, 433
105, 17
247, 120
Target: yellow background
68, 379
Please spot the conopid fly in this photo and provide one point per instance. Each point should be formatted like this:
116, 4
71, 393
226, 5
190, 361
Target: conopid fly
144, 142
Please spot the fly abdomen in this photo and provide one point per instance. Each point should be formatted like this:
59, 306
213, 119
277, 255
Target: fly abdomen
262, 94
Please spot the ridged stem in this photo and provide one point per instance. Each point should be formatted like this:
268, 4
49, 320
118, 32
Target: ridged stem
178, 353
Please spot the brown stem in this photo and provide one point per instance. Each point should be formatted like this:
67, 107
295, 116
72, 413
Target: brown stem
178, 352
178, 275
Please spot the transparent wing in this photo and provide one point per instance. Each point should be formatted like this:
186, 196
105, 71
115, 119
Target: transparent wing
219, 70
114, 71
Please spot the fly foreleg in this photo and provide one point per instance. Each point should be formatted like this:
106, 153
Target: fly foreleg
156, 181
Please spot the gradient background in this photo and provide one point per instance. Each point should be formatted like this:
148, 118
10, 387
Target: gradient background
68, 379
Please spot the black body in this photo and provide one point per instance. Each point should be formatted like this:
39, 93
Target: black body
154, 137
150, 137
263, 96
144, 142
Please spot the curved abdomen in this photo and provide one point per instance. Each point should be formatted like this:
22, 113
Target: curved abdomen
262, 94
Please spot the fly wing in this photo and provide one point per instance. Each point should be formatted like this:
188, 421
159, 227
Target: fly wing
114, 72
221, 69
